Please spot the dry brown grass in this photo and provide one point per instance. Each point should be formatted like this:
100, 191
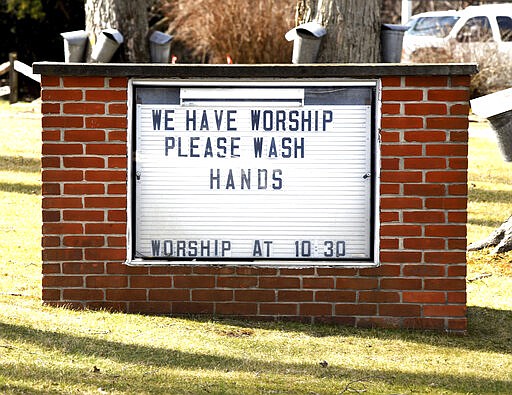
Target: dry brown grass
246, 30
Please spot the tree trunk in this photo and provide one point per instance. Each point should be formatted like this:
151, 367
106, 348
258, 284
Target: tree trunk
130, 17
501, 239
353, 29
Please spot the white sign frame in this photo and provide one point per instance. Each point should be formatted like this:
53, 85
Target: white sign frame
287, 91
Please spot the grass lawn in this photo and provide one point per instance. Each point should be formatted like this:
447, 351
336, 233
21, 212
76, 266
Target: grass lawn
46, 350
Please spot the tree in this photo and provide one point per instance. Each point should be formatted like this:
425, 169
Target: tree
130, 17
500, 239
353, 29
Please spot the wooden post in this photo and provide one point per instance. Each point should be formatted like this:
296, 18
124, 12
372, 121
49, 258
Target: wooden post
13, 78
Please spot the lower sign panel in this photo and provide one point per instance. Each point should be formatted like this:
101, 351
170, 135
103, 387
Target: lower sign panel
276, 174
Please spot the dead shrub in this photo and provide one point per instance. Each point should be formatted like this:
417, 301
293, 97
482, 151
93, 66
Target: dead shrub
247, 31
494, 71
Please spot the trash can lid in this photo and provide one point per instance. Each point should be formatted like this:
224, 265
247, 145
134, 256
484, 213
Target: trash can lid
313, 28
160, 38
114, 34
492, 104
391, 26
75, 37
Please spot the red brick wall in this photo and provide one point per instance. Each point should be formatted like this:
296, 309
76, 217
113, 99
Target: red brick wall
421, 280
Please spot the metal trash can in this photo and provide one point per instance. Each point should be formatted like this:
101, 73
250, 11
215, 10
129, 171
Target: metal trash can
160, 47
74, 45
497, 108
108, 42
306, 41
391, 38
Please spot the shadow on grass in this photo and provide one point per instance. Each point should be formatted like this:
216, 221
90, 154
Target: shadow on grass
489, 196
160, 362
28, 189
490, 330
20, 163
494, 223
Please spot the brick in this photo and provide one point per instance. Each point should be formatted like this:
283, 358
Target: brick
401, 150
50, 294
84, 135
445, 230
424, 270
295, 296
236, 282
309, 271
390, 164
424, 323
60, 254
400, 230
278, 309
425, 136
107, 281
458, 163
194, 281
424, 243
150, 282
356, 283
447, 95
62, 281
457, 325
62, 228
105, 202
400, 283
336, 271
446, 176
61, 149
171, 270
457, 271
117, 108
105, 175
426, 81
459, 109
425, 109
255, 295
125, 294
192, 308
382, 270
169, 294
313, 309
50, 241
447, 123
51, 216
389, 244
445, 257
401, 95
50, 108
117, 82
460, 189
115, 254
61, 95
84, 189
400, 256
402, 122
457, 297
445, 284
390, 81
83, 267
356, 309
83, 241
83, 82
83, 215
106, 149
379, 322
212, 295
62, 175
317, 282
117, 162
401, 176
84, 108
117, 135
388, 108
425, 216
50, 161
117, 215
444, 310
335, 296
114, 241
423, 297
391, 189
389, 216
105, 228
106, 95
111, 122
47, 80
425, 163
379, 297
400, 202
447, 149
51, 268
50, 189
279, 282
424, 190
240, 309
116, 189
460, 80
460, 136
457, 244
61, 121
82, 294
84, 162
446, 203
400, 310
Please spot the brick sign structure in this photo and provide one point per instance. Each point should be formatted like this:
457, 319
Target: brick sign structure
118, 235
